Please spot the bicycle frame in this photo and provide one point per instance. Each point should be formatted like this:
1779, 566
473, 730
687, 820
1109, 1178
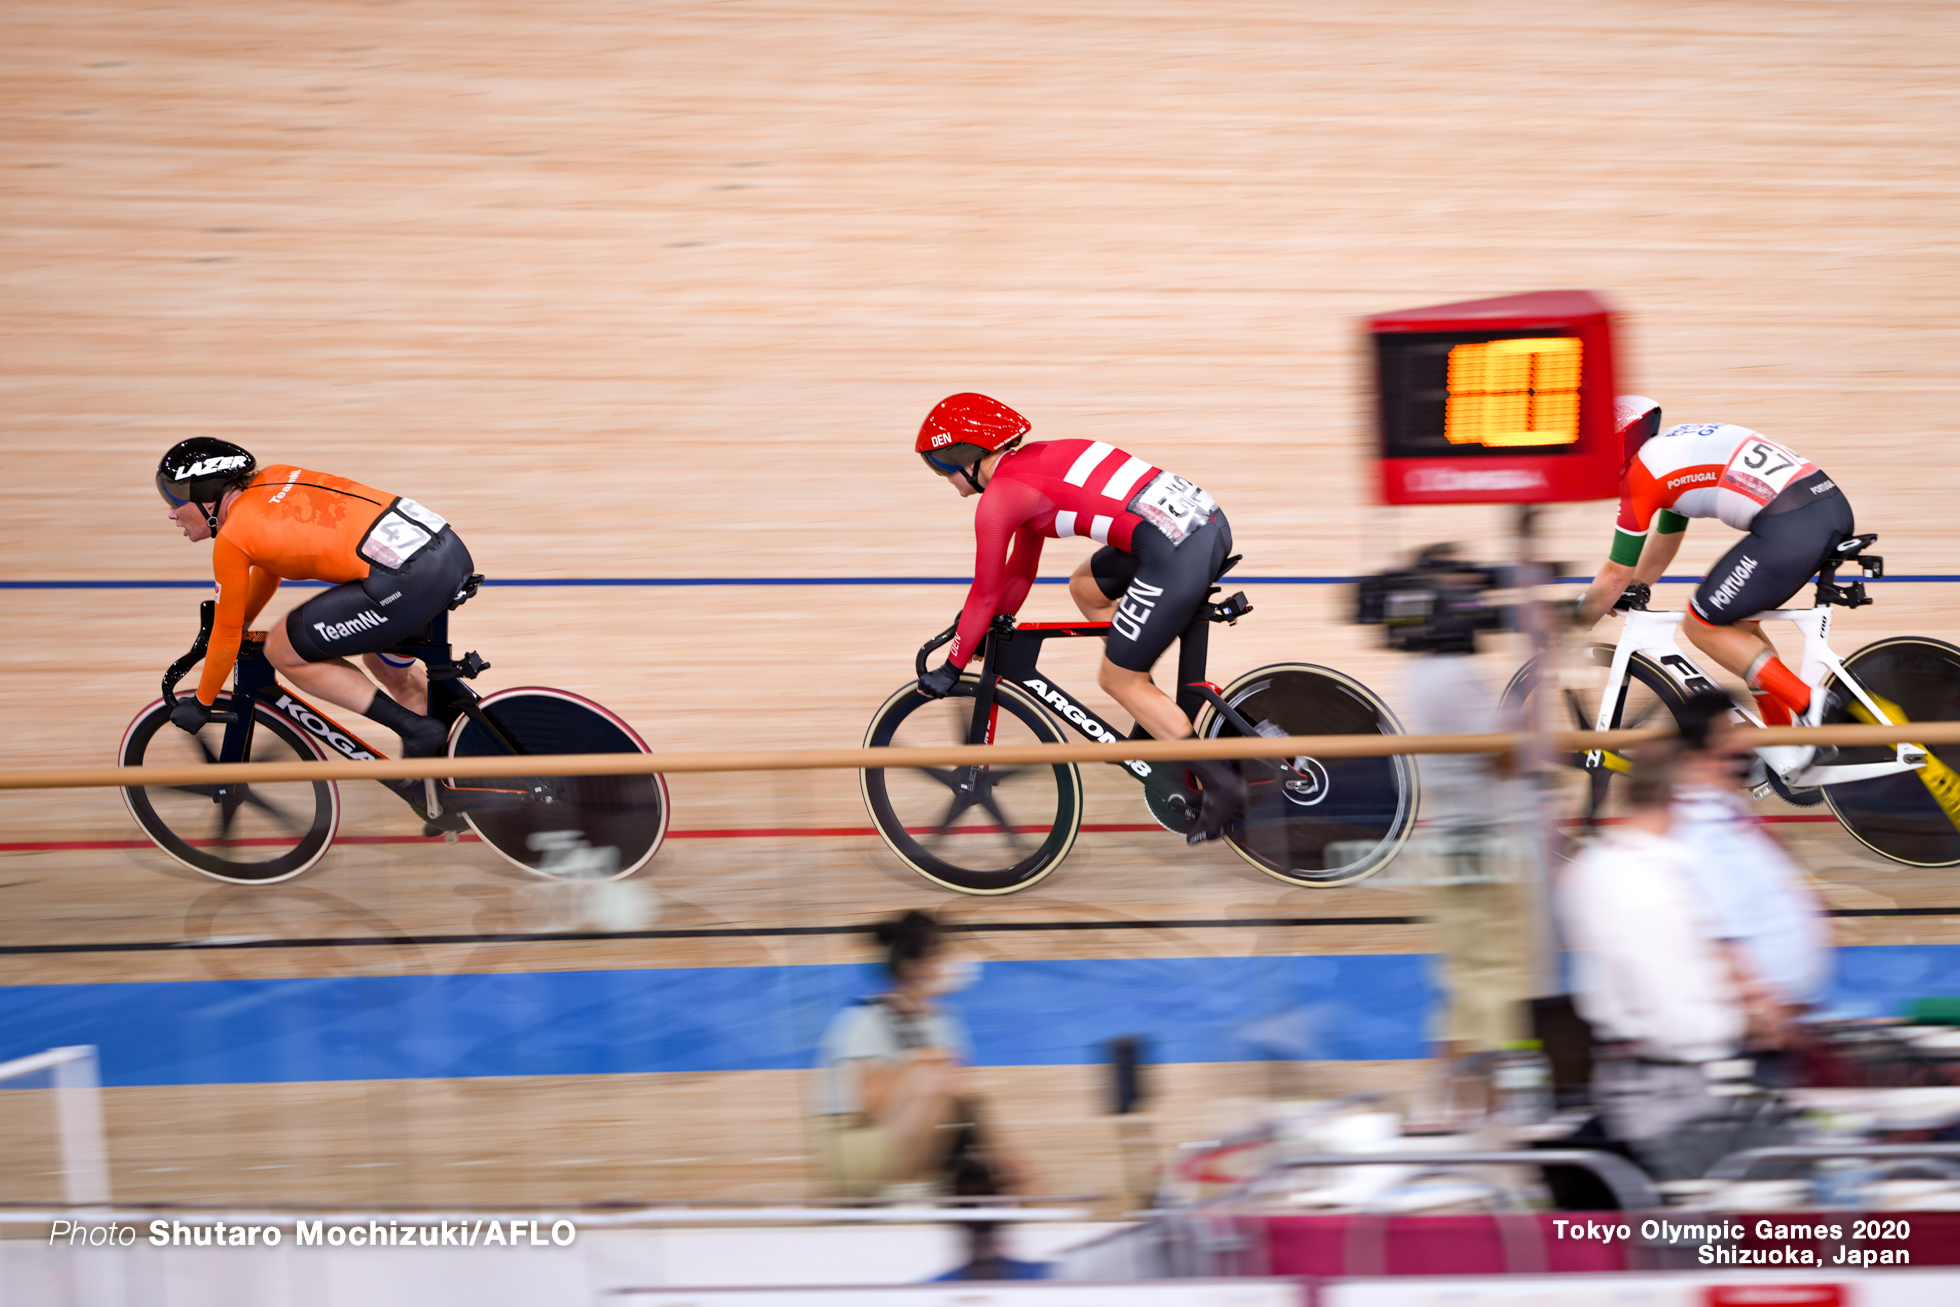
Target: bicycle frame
1654, 634
253, 678
1012, 652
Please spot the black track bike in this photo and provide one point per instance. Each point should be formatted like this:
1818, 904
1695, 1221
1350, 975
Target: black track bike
987, 829
260, 832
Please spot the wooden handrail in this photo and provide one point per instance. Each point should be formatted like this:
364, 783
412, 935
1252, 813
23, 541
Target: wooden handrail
756, 760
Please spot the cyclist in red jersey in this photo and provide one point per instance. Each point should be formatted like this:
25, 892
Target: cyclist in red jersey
1164, 542
1794, 515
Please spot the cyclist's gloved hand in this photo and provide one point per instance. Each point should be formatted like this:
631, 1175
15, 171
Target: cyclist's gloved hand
190, 715
939, 682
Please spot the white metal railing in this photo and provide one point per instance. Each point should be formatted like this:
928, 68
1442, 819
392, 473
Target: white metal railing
77, 1085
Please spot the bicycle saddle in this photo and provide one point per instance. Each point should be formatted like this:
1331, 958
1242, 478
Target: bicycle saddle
467, 591
1852, 550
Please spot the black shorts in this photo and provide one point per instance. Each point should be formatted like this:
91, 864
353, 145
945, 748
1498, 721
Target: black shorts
383, 611
1161, 585
1786, 544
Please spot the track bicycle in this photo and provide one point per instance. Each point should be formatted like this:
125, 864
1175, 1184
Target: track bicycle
261, 832
1901, 801
986, 829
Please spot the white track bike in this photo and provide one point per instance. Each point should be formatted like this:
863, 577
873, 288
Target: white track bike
1901, 801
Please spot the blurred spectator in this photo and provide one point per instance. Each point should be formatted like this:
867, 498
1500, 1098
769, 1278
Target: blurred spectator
1472, 855
985, 1258
1756, 900
1646, 972
895, 1116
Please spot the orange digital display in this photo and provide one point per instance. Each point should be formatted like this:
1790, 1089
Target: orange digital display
1510, 394
1497, 401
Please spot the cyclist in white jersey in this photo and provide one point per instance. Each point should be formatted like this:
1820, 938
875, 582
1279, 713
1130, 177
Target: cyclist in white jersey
1794, 515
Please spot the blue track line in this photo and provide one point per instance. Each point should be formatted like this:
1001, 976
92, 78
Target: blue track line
589, 582
1053, 1012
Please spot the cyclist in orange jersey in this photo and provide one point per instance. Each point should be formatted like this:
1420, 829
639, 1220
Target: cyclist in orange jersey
394, 564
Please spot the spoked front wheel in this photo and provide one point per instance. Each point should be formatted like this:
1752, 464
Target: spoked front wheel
249, 833
981, 829
1317, 822
1582, 790
1912, 817
563, 827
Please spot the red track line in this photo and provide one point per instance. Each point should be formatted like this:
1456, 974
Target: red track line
763, 833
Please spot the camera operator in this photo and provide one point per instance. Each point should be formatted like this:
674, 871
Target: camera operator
1472, 856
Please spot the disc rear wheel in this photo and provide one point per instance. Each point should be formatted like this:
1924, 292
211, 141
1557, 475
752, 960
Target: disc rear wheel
1317, 822
562, 827
1912, 817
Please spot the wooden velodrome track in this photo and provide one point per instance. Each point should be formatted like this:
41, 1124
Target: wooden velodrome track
632, 292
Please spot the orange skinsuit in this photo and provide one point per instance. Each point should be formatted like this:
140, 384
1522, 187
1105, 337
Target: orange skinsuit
280, 529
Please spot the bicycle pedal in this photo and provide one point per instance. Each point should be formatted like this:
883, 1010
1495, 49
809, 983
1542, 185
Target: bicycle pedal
448, 825
1178, 815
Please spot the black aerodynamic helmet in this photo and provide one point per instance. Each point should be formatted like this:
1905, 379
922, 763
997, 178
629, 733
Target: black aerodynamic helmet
201, 469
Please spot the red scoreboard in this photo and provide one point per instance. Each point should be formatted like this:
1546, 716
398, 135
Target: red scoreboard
1498, 401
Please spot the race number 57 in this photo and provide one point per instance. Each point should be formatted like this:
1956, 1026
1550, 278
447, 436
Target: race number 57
1766, 460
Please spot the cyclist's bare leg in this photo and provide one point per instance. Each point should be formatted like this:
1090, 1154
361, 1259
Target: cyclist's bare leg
1140, 697
337, 681
1734, 647
1224, 791
1095, 605
407, 686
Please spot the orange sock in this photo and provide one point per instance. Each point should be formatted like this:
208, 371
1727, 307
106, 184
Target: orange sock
1772, 710
1772, 677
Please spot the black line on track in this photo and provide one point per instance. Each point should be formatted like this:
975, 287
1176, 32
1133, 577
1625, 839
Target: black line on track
768, 932
992, 926
1894, 912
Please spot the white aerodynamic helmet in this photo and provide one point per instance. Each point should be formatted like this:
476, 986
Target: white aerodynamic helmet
1636, 420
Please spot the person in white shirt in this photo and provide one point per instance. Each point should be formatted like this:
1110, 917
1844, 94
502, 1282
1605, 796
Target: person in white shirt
1647, 973
1758, 902
894, 1110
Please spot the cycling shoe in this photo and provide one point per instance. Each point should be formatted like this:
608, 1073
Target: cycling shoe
423, 737
446, 823
1223, 801
1823, 703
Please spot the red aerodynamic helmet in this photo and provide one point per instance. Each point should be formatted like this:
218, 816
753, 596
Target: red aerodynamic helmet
963, 429
1636, 420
